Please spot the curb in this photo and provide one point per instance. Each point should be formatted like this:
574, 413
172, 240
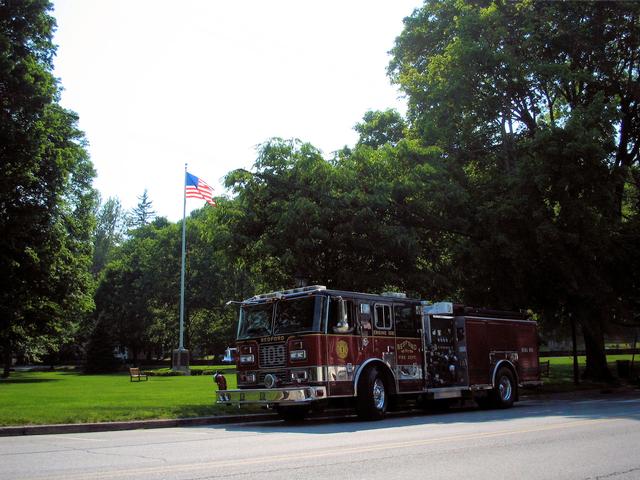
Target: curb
132, 425
246, 418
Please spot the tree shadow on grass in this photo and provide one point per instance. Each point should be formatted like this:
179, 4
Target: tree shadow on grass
27, 380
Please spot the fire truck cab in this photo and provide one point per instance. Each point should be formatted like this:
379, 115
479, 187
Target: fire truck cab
308, 347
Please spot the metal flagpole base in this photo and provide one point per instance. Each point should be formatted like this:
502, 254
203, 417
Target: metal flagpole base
181, 361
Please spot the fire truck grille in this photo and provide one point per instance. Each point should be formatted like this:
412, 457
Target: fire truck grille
273, 355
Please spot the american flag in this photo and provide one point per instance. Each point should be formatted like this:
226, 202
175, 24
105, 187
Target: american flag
197, 188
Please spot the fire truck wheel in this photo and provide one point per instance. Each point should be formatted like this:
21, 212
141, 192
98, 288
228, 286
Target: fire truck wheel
504, 392
295, 413
373, 397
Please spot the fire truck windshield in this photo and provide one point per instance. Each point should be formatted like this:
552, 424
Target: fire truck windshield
297, 315
255, 320
291, 316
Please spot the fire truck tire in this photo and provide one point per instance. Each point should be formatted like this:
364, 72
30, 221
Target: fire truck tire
293, 414
504, 392
373, 395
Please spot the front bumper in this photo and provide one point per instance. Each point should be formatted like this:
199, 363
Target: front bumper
273, 396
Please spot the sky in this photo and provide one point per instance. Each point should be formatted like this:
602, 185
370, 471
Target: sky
160, 83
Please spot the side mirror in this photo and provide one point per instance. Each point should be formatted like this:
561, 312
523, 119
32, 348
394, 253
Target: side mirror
343, 322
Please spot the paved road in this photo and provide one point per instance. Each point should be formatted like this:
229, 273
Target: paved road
594, 438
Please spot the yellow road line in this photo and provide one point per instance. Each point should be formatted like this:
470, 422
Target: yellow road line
84, 439
160, 469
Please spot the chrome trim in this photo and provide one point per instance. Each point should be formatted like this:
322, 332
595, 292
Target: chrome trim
409, 372
361, 369
340, 373
315, 374
497, 367
485, 386
446, 393
279, 396
531, 383
273, 355
379, 394
533, 322
446, 389
505, 389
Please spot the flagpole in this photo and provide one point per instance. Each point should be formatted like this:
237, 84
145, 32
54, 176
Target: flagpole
181, 356
184, 255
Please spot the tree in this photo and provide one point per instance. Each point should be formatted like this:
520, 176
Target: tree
46, 198
108, 234
137, 299
344, 223
143, 212
101, 347
535, 108
126, 289
380, 128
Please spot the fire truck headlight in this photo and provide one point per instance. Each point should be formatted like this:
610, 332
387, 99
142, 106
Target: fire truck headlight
298, 355
248, 378
250, 358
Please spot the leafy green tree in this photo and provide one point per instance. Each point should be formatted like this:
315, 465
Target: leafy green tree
46, 198
535, 108
127, 286
101, 348
346, 223
138, 293
381, 128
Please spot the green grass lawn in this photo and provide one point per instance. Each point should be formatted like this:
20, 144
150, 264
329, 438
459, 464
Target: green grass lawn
69, 397
561, 372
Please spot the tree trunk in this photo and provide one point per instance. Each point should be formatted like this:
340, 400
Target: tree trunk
133, 361
597, 368
6, 356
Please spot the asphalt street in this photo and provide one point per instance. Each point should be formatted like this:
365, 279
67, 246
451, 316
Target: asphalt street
588, 438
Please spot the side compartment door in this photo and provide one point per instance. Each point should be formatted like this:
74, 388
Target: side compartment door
409, 356
477, 352
441, 358
342, 346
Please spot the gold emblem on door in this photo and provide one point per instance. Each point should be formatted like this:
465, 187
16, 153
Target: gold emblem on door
342, 349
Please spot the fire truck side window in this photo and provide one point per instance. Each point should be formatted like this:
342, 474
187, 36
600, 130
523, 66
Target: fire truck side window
334, 316
406, 321
383, 317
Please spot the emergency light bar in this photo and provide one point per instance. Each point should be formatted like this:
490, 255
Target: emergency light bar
281, 293
394, 294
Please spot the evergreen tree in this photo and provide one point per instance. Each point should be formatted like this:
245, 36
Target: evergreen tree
142, 213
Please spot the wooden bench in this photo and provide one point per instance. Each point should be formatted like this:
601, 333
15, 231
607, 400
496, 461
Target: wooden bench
544, 368
135, 373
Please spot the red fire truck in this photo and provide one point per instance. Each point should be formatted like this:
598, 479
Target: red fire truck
309, 347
